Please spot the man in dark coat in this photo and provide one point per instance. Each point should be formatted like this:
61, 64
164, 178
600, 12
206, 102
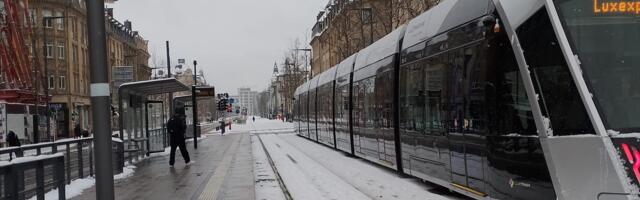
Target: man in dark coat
177, 128
14, 141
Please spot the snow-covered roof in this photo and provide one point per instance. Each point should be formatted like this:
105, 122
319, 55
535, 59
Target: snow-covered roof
304, 88
346, 66
327, 76
385, 47
442, 17
313, 83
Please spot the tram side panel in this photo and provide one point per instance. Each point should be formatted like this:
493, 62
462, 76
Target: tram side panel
476, 129
325, 114
341, 105
304, 98
373, 112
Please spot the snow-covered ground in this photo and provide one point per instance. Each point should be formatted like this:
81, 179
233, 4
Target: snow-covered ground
312, 171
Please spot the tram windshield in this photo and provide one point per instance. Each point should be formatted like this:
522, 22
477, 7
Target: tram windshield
605, 34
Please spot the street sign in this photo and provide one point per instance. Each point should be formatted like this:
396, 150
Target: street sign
205, 91
122, 74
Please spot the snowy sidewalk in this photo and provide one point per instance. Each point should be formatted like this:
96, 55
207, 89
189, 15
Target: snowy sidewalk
222, 169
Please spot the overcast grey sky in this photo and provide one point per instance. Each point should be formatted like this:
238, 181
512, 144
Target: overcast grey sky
235, 42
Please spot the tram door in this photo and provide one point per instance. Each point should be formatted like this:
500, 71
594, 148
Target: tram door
155, 126
466, 141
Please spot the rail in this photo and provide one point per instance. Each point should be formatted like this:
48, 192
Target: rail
77, 154
14, 175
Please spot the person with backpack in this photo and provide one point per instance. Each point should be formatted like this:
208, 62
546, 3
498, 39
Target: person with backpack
177, 128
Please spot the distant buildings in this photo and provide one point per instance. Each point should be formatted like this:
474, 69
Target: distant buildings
247, 100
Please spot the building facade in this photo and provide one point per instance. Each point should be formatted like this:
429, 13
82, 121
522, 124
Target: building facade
65, 49
345, 27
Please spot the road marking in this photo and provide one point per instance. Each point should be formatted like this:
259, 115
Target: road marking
216, 181
292, 160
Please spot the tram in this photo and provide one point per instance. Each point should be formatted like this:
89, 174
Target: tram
494, 99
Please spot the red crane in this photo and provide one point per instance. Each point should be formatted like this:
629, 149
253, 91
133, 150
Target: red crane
16, 80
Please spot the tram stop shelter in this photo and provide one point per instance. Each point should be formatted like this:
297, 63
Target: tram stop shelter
205, 96
141, 121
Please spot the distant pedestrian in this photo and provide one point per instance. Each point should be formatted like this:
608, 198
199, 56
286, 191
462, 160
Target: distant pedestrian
14, 141
222, 127
177, 128
77, 131
254, 118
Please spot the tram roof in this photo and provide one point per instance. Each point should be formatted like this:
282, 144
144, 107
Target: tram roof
444, 16
151, 87
327, 76
304, 88
383, 48
313, 83
299, 90
346, 66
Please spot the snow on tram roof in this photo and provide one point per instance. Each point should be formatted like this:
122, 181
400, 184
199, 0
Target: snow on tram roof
327, 76
313, 83
385, 47
346, 66
440, 18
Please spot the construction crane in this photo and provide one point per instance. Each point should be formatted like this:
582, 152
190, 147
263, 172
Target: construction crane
16, 80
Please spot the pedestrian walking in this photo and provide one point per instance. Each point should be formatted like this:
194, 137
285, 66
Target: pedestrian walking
254, 118
222, 127
177, 128
13, 141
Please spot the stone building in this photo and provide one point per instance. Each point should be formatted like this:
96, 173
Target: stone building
346, 26
66, 51
67, 73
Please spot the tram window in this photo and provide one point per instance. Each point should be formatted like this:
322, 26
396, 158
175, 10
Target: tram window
606, 42
413, 97
559, 98
508, 108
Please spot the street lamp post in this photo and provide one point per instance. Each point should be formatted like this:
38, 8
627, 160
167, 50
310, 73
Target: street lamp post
195, 105
46, 72
100, 101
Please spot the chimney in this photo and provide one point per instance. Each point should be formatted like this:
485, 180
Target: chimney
127, 24
109, 12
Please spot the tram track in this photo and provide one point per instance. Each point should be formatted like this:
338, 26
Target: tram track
373, 197
297, 160
283, 187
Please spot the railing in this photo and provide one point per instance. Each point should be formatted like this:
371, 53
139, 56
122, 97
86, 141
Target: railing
77, 155
49, 174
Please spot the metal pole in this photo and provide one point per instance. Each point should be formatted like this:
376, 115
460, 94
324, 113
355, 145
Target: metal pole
100, 99
46, 72
169, 76
195, 116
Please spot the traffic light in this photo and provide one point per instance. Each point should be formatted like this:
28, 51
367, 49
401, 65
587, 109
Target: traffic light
222, 104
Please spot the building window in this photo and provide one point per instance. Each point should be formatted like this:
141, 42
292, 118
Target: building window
49, 50
74, 52
30, 48
52, 81
63, 82
61, 52
60, 21
47, 23
367, 15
